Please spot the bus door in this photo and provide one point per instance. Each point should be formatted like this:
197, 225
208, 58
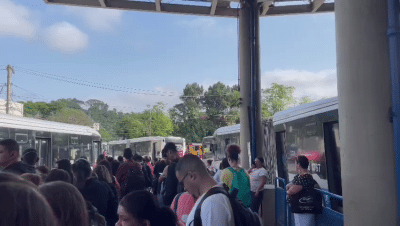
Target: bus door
332, 153
97, 149
42, 146
280, 139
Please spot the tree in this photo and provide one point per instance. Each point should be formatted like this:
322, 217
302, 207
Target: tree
277, 98
161, 124
131, 126
105, 135
40, 109
305, 100
71, 116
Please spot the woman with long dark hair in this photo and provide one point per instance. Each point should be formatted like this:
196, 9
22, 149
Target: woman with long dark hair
139, 208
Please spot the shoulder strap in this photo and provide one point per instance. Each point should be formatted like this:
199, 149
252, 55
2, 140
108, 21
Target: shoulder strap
197, 215
176, 201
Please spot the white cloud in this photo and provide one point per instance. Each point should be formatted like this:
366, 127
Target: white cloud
315, 85
16, 20
98, 19
66, 38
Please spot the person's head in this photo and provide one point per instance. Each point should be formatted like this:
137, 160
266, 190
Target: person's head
58, 175
110, 159
81, 169
192, 173
137, 158
259, 162
170, 152
120, 159
224, 164
301, 162
107, 164
43, 170
34, 178
64, 164
233, 152
139, 208
114, 167
209, 162
128, 154
30, 156
99, 158
9, 152
103, 174
22, 204
67, 203
146, 159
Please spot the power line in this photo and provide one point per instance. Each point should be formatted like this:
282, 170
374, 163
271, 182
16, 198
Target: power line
116, 88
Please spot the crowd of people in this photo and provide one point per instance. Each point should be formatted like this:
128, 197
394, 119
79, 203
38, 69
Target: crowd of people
130, 190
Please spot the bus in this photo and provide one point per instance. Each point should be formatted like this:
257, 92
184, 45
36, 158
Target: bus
145, 146
53, 140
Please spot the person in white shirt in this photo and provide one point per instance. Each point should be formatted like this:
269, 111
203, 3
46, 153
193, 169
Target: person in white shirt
216, 209
224, 164
258, 178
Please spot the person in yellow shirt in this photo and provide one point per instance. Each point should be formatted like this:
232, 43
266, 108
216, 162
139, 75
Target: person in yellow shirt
236, 177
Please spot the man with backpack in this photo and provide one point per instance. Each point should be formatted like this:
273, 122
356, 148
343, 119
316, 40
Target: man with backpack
215, 209
172, 186
215, 206
129, 175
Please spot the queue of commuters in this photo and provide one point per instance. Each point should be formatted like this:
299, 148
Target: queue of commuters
182, 190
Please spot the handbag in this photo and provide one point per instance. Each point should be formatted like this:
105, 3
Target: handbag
306, 201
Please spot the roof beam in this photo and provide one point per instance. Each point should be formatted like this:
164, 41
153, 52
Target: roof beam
103, 3
316, 4
158, 5
213, 7
265, 7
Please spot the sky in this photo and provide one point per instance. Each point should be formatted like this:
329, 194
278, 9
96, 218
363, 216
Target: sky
132, 60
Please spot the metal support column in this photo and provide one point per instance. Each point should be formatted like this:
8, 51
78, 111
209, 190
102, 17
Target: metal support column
366, 132
393, 33
250, 82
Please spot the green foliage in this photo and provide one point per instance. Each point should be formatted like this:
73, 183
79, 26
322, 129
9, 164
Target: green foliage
100, 113
131, 126
105, 135
305, 100
40, 109
277, 98
71, 116
200, 115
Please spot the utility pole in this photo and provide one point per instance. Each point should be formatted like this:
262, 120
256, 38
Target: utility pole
150, 122
10, 71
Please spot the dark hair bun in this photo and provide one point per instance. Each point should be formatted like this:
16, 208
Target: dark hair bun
233, 151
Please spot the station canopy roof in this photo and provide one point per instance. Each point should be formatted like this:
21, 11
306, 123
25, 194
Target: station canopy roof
221, 8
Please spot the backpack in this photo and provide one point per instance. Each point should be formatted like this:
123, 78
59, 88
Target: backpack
95, 218
133, 182
306, 201
243, 215
244, 193
176, 201
148, 179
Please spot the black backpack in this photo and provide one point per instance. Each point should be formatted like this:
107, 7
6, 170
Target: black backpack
243, 215
148, 178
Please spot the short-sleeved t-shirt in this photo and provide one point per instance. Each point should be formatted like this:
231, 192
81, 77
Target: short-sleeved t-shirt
305, 180
255, 178
185, 205
215, 210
